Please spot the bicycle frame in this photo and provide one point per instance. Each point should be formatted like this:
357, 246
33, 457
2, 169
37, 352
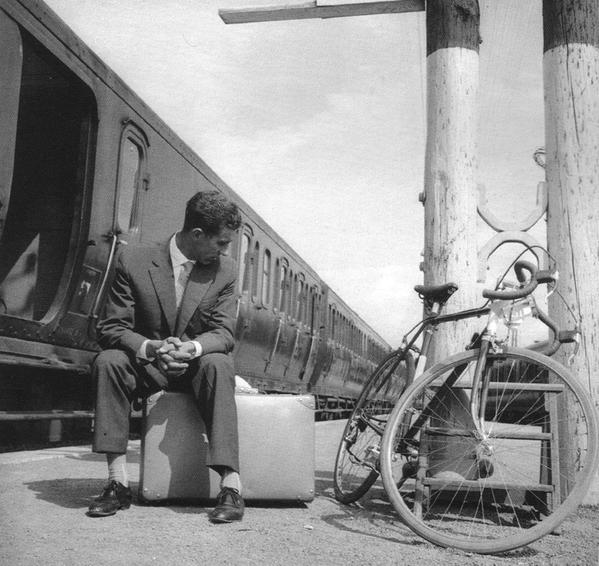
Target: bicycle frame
480, 385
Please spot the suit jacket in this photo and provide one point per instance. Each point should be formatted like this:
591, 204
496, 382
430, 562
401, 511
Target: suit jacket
142, 305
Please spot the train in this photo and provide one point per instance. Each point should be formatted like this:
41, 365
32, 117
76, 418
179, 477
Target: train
86, 167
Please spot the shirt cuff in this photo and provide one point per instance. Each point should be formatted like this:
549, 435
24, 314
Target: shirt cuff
142, 354
198, 348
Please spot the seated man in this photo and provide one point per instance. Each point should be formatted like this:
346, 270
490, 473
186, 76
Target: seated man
168, 323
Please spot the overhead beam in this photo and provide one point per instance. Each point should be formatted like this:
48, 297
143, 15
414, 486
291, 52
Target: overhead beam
318, 10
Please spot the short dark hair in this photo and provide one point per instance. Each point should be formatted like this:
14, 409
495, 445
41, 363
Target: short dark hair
211, 211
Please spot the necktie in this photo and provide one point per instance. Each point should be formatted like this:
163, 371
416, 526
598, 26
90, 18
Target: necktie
182, 280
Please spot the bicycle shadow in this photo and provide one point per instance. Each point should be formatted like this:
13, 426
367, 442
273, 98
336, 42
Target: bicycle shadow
375, 511
371, 512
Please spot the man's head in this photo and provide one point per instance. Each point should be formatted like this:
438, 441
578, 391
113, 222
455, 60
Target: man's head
211, 221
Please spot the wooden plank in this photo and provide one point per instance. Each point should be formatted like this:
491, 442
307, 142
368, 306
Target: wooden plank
45, 415
508, 386
312, 10
480, 485
512, 434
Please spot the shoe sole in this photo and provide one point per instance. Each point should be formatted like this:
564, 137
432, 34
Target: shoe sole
100, 514
219, 520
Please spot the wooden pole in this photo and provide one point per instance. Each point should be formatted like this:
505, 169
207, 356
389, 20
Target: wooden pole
571, 75
450, 247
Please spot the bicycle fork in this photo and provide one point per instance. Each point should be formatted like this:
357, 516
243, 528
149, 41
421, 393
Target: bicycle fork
484, 453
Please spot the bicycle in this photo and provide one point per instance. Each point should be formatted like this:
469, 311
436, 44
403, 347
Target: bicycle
476, 452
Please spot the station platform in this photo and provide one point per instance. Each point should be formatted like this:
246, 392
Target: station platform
44, 496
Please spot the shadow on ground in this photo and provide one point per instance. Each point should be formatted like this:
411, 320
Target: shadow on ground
71, 493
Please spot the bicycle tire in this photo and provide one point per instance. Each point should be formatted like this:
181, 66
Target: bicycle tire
356, 463
537, 474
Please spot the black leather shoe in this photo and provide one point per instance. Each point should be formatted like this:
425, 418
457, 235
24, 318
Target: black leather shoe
114, 497
229, 506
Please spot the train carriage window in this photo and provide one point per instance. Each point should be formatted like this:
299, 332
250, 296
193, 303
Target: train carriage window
299, 297
46, 160
243, 280
292, 293
299, 304
255, 275
314, 308
276, 286
284, 282
266, 278
334, 324
131, 180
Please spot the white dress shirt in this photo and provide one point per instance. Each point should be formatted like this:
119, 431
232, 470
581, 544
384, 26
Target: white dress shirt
181, 271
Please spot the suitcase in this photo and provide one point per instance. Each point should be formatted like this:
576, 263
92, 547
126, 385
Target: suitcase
276, 448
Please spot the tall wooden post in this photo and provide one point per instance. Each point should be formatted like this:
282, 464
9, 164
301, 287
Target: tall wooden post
450, 252
571, 75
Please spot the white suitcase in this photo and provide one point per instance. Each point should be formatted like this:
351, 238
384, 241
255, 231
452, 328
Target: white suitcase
276, 448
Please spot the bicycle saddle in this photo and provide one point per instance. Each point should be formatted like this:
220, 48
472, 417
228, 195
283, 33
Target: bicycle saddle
436, 293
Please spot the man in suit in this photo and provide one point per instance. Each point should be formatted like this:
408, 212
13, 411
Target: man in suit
168, 324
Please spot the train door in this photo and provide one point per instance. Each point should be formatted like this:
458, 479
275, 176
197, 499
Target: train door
47, 125
314, 325
302, 338
245, 265
283, 346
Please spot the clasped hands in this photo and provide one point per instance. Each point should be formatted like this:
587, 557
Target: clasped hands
172, 356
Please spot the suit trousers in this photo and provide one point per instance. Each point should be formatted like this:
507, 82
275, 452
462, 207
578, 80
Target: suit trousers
211, 378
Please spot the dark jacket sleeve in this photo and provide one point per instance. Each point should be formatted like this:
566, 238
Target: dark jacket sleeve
116, 327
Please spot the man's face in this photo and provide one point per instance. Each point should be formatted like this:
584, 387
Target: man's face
207, 249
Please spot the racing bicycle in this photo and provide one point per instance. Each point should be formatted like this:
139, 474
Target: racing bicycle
485, 451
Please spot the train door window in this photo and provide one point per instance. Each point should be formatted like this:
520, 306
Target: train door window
284, 282
296, 296
266, 278
255, 274
47, 125
345, 332
276, 286
299, 315
131, 181
314, 308
333, 323
243, 280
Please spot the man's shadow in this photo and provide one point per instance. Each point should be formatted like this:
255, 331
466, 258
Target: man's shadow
71, 493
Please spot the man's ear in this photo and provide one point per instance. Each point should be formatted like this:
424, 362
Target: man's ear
197, 232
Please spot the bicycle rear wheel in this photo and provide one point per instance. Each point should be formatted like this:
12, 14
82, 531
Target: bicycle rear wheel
504, 490
357, 462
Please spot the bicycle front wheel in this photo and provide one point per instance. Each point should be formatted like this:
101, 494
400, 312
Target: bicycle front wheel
508, 486
357, 462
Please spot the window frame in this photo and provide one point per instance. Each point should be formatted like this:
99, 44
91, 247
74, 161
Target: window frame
132, 133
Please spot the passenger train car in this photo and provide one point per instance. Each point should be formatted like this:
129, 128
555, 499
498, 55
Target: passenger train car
86, 168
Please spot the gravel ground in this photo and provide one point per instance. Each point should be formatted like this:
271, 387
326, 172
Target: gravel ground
44, 495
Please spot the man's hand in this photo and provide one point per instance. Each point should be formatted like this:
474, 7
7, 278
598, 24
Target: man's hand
168, 359
154, 348
183, 351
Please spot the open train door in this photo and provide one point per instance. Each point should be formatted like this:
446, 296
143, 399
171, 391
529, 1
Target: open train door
47, 120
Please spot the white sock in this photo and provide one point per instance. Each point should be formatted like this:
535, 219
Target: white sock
117, 468
231, 479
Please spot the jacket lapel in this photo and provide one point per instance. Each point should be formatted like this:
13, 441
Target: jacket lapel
200, 279
161, 273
